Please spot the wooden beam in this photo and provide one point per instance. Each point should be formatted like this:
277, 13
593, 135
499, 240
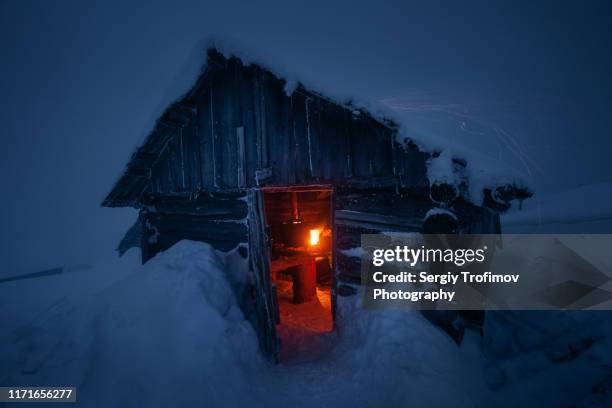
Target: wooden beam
377, 221
297, 188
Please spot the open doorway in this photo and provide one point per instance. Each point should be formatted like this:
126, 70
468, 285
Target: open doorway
300, 231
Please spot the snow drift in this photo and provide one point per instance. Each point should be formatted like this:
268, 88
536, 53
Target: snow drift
165, 332
170, 333
582, 210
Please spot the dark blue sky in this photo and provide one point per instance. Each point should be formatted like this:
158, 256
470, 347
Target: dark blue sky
81, 82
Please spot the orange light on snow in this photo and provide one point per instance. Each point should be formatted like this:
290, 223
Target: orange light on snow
314, 236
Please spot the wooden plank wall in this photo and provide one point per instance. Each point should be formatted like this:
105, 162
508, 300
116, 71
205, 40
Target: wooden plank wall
243, 125
219, 220
371, 212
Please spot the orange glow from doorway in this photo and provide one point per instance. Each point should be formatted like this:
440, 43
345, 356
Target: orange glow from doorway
314, 236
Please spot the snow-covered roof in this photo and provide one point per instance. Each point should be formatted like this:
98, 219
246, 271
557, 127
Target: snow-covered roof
479, 172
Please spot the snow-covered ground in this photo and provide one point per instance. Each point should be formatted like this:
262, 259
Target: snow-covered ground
169, 333
583, 210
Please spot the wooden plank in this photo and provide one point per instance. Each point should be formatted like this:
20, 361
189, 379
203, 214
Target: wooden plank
259, 263
262, 100
279, 130
347, 138
284, 152
228, 119
387, 201
241, 168
334, 259
298, 188
206, 135
184, 162
246, 102
299, 166
162, 230
222, 206
174, 164
198, 228
192, 153
257, 113
377, 221
309, 141
348, 268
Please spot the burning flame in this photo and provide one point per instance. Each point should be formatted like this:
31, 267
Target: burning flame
314, 236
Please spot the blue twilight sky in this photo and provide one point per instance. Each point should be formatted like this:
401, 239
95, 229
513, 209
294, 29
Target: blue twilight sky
527, 82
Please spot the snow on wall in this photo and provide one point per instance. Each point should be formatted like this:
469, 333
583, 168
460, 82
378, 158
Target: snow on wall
355, 252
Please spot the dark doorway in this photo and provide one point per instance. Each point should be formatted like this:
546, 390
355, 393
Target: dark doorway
300, 231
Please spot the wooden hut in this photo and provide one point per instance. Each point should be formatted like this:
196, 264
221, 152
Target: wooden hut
290, 180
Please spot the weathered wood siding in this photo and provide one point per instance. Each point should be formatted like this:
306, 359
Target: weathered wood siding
371, 212
265, 304
243, 130
219, 220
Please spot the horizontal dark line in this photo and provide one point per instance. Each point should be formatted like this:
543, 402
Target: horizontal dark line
47, 272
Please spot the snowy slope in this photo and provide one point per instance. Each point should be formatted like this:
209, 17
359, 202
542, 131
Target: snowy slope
541, 353
583, 210
146, 336
169, 333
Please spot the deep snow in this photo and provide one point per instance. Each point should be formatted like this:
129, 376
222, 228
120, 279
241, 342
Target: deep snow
583, 210
169, 333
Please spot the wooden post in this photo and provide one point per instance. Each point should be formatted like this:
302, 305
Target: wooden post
294, 206
259, 262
